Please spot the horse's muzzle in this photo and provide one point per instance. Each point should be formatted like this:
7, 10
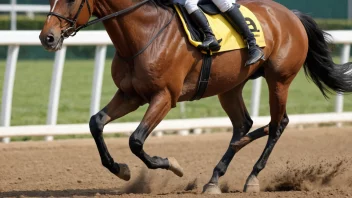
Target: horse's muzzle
51, 41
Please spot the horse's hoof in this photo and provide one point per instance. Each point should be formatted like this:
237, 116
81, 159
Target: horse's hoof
252, 184
175, 167
211, 189
125, 173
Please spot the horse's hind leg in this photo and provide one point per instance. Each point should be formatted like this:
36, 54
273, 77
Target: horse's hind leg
159, 106
278, 91
233, 104
119, 106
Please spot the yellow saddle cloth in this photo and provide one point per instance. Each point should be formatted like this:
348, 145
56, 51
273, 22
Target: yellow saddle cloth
231, 40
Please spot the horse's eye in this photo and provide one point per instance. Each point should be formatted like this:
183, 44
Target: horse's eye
70, 1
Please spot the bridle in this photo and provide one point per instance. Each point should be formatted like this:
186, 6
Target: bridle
72, 30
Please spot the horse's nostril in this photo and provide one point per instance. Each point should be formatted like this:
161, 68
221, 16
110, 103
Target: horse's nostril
50, 39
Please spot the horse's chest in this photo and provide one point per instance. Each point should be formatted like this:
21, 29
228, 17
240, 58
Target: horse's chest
136, 82
145, 77
125, 84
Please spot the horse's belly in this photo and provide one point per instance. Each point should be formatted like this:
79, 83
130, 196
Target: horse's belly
221, 82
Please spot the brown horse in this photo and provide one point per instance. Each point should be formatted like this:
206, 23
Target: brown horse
167, 72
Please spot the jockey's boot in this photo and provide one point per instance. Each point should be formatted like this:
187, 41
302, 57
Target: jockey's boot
210, 42
236, 19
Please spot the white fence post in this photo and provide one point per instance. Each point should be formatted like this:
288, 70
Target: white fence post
345, 56
55, 89
13, 15
255, 100
7, 90
183, 110
100, 56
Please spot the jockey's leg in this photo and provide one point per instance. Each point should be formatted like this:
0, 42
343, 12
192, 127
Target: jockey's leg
209, 42
234, 16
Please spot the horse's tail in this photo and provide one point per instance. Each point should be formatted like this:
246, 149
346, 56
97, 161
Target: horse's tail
319, 66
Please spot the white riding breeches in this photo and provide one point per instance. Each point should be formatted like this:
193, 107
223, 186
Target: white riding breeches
223, 5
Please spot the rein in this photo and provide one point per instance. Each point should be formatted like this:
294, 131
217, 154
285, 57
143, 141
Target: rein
150, 41
72, 30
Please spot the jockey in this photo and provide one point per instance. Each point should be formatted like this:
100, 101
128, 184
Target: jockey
235, 18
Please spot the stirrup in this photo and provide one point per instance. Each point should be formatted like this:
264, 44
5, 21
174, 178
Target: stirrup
217, 47
209, 47
255, 60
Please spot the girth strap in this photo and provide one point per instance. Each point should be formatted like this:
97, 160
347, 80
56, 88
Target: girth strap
204, 77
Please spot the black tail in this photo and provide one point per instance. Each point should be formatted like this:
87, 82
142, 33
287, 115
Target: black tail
319, 66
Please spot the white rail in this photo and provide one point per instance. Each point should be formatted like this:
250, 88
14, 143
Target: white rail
24, 8
179, 125
100, 39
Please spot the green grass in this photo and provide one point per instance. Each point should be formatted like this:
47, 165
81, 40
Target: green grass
32, 84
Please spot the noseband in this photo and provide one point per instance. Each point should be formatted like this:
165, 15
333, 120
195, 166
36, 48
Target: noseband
72, 30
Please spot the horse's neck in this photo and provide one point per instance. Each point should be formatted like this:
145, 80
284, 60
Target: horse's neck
131, 31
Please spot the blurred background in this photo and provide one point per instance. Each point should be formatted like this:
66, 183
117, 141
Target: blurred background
34, 67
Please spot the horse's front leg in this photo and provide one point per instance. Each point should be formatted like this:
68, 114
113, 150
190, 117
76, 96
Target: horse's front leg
159, 106
120, 105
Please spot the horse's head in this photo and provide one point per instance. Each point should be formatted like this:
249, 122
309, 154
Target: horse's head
63, 20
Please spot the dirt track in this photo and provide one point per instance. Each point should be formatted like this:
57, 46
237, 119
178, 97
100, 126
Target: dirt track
314, 162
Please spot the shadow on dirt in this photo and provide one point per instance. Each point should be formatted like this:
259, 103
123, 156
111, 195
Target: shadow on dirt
61, 193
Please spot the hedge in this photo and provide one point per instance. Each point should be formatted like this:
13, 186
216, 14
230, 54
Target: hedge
334, 24
77, 52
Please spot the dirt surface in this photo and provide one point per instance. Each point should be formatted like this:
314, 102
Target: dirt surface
305, 163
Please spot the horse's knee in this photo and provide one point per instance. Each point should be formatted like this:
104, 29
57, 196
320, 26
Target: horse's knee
137, 139
96, 125
136, 145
